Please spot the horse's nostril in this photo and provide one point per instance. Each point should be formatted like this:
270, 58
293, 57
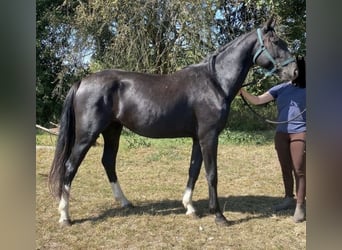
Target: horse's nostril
295, 73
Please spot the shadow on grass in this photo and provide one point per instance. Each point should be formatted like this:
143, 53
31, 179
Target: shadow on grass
255, 206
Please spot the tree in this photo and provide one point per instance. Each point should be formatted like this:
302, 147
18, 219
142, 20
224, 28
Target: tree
48, 65
55, 67
149, 36
292, 15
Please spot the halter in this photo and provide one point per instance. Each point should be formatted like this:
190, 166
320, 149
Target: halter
264, 49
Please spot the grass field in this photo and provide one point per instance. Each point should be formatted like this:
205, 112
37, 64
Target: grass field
153, 174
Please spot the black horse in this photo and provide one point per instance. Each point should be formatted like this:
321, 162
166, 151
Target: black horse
193, 102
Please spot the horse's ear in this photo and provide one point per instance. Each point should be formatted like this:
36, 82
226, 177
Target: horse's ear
270, 24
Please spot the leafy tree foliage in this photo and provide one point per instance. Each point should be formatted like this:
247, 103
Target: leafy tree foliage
54, 66
148, 36
155, 36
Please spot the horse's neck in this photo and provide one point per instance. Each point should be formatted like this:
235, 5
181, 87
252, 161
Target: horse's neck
233, 63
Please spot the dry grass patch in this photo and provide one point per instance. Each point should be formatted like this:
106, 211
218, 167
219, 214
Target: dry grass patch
153, 177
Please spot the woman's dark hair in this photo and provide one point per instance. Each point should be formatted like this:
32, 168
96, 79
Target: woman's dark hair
300, 81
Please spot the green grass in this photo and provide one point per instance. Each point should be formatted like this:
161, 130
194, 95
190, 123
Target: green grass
153, 174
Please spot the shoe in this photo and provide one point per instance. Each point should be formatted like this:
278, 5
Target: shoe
299, 214
288, 203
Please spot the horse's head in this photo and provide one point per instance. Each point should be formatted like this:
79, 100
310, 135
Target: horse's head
272, 54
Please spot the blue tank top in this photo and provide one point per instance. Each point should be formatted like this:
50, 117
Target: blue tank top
290, 100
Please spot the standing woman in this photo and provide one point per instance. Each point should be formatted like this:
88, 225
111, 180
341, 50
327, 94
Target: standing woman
290, 137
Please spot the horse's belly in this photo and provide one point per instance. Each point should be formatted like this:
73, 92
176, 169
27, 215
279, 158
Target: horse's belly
162, 128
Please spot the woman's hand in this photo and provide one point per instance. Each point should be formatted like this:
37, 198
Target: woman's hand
256, 100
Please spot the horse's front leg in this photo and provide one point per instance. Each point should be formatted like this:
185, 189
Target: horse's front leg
209, 151
194, 170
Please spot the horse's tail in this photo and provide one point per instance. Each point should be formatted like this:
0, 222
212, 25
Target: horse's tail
65, 142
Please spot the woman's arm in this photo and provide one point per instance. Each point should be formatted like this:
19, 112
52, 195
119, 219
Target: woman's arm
257, 100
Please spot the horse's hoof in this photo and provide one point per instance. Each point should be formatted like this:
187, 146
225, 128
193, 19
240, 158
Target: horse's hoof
65, 223
193, 215
222, 221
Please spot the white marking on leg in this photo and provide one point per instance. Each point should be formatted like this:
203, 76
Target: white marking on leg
63, 207
187, 201
118, 194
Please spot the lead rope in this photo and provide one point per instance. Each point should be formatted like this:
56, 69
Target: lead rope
260, 116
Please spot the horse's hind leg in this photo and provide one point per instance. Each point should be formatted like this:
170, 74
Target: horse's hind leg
111, 145
83, 142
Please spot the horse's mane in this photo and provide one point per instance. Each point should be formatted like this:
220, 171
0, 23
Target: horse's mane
224, 47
